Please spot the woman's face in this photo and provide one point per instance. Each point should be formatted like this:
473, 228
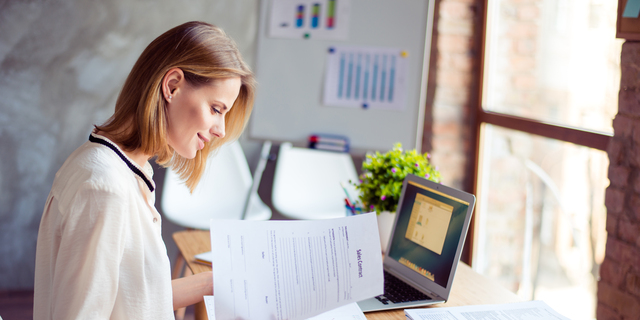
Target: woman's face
195, 116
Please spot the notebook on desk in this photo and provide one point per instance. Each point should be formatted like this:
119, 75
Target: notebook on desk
425, 245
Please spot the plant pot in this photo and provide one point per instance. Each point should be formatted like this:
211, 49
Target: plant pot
385, 223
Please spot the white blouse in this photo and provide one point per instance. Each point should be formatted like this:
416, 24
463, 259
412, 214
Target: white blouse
100, 253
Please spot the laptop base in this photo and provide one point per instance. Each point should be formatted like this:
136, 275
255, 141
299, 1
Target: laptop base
374, 304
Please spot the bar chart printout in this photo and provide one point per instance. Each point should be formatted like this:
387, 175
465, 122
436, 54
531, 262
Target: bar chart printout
293, 269
366, 77
309, 19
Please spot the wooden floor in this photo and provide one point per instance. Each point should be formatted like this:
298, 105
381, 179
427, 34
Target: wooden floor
18, 305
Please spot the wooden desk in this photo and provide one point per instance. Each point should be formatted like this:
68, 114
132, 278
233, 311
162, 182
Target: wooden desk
469, 287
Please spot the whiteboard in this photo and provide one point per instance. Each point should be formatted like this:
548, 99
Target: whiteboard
290, 74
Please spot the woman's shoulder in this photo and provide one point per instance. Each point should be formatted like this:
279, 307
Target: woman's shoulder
92, 166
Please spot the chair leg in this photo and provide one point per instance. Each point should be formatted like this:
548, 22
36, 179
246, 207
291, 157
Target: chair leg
178, 267
187, 272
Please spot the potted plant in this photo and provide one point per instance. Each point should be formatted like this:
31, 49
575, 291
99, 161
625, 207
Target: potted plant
380, 183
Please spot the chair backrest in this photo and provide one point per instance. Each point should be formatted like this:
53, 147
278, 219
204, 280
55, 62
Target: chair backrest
306, 184
221, 193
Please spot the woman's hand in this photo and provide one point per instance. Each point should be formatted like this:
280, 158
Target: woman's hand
190, 290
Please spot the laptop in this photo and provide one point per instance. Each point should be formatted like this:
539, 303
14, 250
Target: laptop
425, 246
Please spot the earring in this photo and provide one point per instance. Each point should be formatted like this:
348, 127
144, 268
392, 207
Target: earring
170, 97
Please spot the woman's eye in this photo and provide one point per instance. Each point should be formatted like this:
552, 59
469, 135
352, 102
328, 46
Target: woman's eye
215, 110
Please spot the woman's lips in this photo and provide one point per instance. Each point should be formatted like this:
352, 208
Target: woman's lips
201, 142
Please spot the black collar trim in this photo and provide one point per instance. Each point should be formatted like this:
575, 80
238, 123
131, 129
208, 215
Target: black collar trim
124, 158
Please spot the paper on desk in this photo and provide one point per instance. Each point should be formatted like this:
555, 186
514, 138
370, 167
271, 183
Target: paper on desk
294, 269
209, 305
348, 312
530, 310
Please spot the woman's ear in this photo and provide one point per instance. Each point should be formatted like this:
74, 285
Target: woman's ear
171, 83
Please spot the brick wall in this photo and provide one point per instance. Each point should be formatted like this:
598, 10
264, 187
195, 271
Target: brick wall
619, 285
456, 42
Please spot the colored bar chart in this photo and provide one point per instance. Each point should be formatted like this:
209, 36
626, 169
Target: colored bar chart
366, 77
300, 16
310, 19
331, 14
315, 16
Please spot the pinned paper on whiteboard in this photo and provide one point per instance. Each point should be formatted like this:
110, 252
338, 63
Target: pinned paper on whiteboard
309, 19
366, 77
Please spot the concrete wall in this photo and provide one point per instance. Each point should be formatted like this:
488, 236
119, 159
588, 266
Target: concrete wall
62, 64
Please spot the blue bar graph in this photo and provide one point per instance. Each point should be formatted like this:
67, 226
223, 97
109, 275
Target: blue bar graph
374, 82
392, 76
365, 87
367, 78
349, 76
341, 77
383, 77
358, 71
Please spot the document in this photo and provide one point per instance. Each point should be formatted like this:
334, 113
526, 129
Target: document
294, 269
348, 312
209, 305
530, 310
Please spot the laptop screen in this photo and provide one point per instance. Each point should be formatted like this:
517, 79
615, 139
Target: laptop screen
428, 232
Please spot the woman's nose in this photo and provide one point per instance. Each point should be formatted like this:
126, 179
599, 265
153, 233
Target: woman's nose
218, 129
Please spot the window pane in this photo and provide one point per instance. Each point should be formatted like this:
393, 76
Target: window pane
553, 60
541, 218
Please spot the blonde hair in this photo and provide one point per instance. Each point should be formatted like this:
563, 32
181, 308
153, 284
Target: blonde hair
204, 53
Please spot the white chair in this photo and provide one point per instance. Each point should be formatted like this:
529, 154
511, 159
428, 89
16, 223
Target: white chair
226, 191
306, 184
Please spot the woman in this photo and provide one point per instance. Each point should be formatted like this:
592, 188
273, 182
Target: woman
100, 252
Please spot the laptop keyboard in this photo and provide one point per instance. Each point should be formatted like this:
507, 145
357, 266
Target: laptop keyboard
397, 291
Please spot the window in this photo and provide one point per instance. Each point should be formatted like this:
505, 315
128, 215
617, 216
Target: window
549, 93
